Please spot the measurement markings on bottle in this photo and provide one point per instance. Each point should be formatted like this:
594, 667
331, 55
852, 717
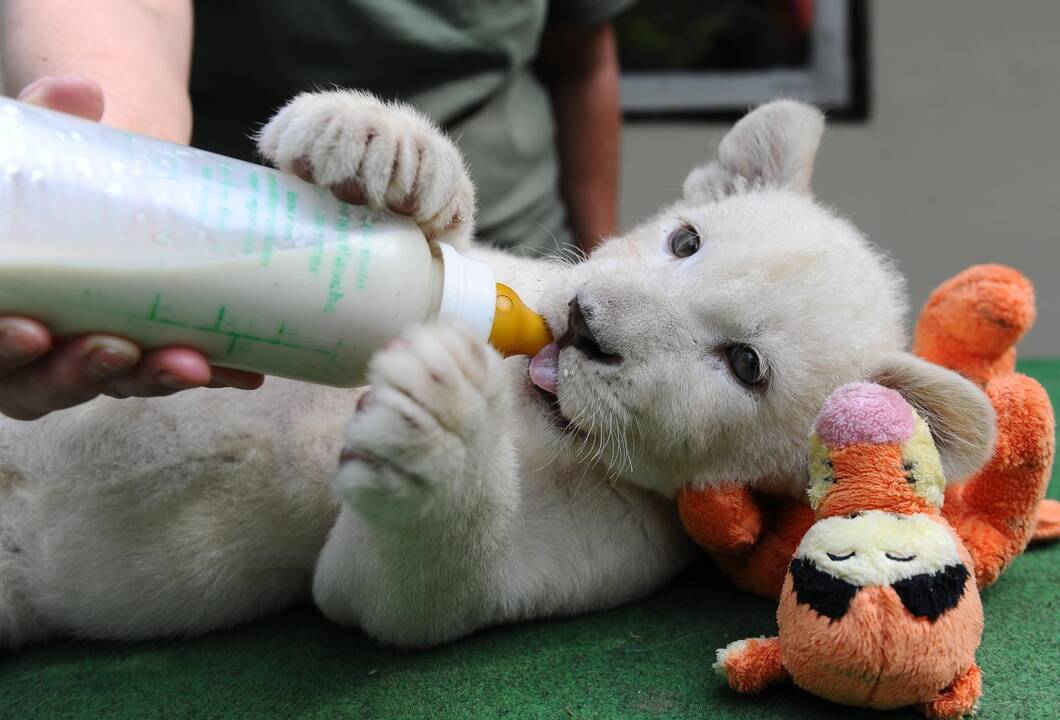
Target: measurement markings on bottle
235, 336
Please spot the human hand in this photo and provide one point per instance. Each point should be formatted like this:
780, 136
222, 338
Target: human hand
40, 374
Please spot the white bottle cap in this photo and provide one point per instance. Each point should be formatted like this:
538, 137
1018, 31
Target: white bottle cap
469, 291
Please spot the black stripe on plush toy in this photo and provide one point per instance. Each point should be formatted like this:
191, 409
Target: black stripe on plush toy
826, 594
931, 594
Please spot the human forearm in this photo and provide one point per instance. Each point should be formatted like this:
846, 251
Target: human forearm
138, 50
580, 66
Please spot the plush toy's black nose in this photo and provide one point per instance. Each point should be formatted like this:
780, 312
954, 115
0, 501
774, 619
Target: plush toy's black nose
579, 335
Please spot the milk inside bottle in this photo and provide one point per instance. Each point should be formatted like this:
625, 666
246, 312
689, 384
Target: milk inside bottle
107, 231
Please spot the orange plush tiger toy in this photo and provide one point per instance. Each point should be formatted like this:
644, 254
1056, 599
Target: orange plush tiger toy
879, 607
970, 324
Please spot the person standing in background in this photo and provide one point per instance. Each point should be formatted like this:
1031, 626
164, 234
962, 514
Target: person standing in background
527, 88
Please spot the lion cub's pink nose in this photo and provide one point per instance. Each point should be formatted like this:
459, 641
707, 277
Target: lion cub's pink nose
864, 413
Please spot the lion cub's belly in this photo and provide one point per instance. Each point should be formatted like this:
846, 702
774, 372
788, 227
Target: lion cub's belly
216, 501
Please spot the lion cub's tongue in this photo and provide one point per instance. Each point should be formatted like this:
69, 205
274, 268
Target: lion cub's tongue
544, 368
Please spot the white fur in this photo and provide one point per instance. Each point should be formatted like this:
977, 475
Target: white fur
391, 151
459, 504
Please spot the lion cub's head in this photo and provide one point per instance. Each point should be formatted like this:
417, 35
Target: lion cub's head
698, 347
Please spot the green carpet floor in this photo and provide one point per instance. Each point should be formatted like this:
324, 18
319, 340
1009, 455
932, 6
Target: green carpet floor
648, 660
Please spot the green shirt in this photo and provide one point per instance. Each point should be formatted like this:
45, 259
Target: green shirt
466, 63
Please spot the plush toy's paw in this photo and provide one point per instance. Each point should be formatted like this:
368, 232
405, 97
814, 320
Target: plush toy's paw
762, 570
417, 439
722, 520
748, 666
1047, 527
972, 322
959, 700
386, 155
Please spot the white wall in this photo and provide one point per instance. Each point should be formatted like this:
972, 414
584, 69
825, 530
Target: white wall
960, 162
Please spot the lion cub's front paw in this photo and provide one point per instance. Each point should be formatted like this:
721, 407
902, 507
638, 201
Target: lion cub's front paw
423, 430
384, 154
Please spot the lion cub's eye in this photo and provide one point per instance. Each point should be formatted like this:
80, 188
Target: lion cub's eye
684, 241
746, 364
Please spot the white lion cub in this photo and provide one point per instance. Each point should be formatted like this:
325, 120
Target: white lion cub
465, 490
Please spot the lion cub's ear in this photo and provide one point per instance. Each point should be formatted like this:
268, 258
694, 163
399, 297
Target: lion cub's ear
774, 145
959, 414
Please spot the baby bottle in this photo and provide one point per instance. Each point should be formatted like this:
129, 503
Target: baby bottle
106, 231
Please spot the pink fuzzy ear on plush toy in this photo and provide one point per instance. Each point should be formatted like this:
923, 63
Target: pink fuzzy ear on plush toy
864, 413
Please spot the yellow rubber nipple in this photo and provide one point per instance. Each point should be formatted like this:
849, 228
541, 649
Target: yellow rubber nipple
517, 330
